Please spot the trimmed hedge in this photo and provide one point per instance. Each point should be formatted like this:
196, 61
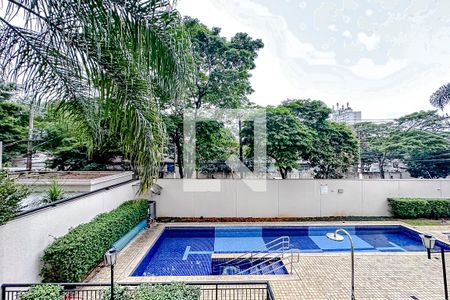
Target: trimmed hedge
43, 292
71, 257
413, 208
172, 291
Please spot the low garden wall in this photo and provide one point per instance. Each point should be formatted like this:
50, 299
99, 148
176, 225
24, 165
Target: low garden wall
289, 198
74, 181
24, 239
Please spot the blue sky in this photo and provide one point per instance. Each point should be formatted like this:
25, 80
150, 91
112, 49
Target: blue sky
385, 57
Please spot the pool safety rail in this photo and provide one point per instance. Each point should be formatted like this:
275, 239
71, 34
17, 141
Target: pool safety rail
242, 290
268, 259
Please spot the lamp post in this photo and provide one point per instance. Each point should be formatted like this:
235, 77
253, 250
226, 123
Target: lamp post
335, 236
110, 259
428, 242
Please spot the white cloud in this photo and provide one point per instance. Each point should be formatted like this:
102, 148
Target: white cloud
384, 64
366, 68
369, 41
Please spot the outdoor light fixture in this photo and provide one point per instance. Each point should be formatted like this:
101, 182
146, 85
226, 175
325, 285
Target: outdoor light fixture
110, 260
335, 236
111, 257
447, 234
429, 242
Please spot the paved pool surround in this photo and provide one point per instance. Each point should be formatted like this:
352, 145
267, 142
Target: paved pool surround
379, 275
188, 251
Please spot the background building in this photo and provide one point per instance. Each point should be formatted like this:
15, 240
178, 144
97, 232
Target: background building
344, 114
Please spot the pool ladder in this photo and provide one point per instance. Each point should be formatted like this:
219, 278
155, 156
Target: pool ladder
277, 250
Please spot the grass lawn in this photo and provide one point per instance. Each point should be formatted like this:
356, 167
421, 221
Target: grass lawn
426, 222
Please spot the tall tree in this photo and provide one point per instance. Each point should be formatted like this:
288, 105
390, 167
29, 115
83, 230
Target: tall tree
312, 113
107, 53
13, 122
69, 146
13, 129
433, 164
425, 120
378, 144
335, 148
413, 138
214, 145
287, 139
220, 76
426, 154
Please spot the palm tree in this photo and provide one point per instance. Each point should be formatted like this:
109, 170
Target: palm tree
441, 97
101, 61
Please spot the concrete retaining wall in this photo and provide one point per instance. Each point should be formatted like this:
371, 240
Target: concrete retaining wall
23, 240
291, 198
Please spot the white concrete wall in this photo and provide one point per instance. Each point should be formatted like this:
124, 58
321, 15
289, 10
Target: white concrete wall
292, 198
23, 239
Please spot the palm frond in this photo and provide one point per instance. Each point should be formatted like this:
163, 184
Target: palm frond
441, 97
102, 60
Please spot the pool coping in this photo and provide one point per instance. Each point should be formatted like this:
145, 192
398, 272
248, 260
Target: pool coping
147, 239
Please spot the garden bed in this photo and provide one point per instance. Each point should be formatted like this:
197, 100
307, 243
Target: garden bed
281, 219
73, 181
65, 175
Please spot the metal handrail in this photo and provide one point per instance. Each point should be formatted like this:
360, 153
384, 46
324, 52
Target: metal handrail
271, 258
282, 240
284, 237
261, 263
210, 289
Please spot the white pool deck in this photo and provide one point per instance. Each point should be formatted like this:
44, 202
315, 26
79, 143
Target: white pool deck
405, 275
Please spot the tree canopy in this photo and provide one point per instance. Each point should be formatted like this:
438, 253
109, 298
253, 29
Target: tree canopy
287, 139
335, 151
419, 139
13, 128
221, 67
219, 78
335, 146
214, 145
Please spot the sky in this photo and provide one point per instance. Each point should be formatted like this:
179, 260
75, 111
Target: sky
384, 57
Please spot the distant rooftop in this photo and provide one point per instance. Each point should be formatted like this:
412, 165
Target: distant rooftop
345, 114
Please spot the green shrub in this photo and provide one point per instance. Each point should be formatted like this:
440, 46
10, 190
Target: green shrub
173, 291
43, 292
11, 194
120, 293
71, 257
413, 208
55, 192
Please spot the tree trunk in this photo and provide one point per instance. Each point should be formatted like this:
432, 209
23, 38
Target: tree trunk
381, 166
282, 173
241, 152
179, 151
30, 140
1, 155
326, 172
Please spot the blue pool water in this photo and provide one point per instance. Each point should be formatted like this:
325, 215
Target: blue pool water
186, 251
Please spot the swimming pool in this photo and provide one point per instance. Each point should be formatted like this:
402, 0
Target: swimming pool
189, 251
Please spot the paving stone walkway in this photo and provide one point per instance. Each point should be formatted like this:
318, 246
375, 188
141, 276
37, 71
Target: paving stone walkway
392, 276
322, 276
